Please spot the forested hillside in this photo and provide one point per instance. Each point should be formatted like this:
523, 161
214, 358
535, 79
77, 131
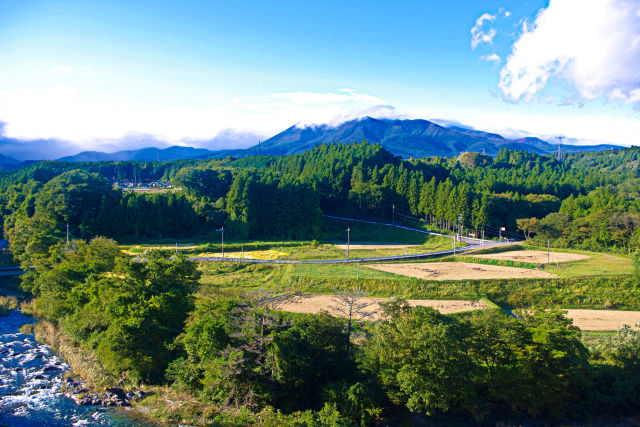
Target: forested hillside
586, 201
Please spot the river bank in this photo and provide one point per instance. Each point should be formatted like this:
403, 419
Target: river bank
32, 378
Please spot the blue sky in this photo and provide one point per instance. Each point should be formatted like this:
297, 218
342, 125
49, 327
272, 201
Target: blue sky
222, 74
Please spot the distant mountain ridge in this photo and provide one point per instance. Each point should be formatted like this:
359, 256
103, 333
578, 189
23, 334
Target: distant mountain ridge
148, 154
9, 163
406, 138
6, 160
409, 138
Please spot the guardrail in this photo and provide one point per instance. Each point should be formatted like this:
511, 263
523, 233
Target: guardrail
332, 261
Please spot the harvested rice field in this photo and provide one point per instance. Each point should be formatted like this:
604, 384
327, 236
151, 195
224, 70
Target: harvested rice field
330, 303
534, 257
460, 271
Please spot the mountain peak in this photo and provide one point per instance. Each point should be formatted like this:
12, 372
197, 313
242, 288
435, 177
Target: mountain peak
405, 137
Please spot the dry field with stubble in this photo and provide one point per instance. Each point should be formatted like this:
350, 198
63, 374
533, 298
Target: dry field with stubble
533, 257
604, 320
318, 303
460, 271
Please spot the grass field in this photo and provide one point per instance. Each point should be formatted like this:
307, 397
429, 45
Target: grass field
325, 248
587, 292
596, 265
600, 281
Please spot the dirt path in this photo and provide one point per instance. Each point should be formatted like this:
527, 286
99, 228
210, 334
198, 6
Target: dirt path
459, 271
535, 257
604, 320
317, 303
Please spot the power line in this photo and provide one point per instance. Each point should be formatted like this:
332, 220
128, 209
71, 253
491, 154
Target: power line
493, 230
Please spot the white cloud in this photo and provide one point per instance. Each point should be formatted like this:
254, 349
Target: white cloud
479, 34
96, 119
593, 45
504, 12
491, 58
583, 128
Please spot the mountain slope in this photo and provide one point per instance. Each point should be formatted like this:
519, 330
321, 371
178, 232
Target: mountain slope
6, 160
142, 155
407, 138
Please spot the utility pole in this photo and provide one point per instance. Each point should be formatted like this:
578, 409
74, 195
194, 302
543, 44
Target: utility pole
459, 226
560, 155
358, 271
221, 229
67, 232
242, 253
348, 240
454, 246
176, 248
393, 213
548, 253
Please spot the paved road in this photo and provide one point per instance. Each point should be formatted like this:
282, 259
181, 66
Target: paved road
471, 244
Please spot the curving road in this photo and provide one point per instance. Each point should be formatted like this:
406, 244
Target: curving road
471, 245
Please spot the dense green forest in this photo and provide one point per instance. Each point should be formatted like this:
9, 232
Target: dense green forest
587, 201
235, 352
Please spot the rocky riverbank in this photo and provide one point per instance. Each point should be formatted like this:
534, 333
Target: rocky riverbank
75, 389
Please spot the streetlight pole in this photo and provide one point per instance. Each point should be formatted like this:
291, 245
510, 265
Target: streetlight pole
393, 213
221, 229
348, 240
67, 232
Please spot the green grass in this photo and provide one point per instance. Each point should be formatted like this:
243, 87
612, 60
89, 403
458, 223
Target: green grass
597, 265
599, 292
334, 230
333, 233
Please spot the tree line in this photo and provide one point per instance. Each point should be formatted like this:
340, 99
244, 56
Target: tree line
588, 201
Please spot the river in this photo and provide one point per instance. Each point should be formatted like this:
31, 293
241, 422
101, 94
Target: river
31, 377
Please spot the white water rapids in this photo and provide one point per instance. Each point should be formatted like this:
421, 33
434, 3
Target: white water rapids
31, 378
